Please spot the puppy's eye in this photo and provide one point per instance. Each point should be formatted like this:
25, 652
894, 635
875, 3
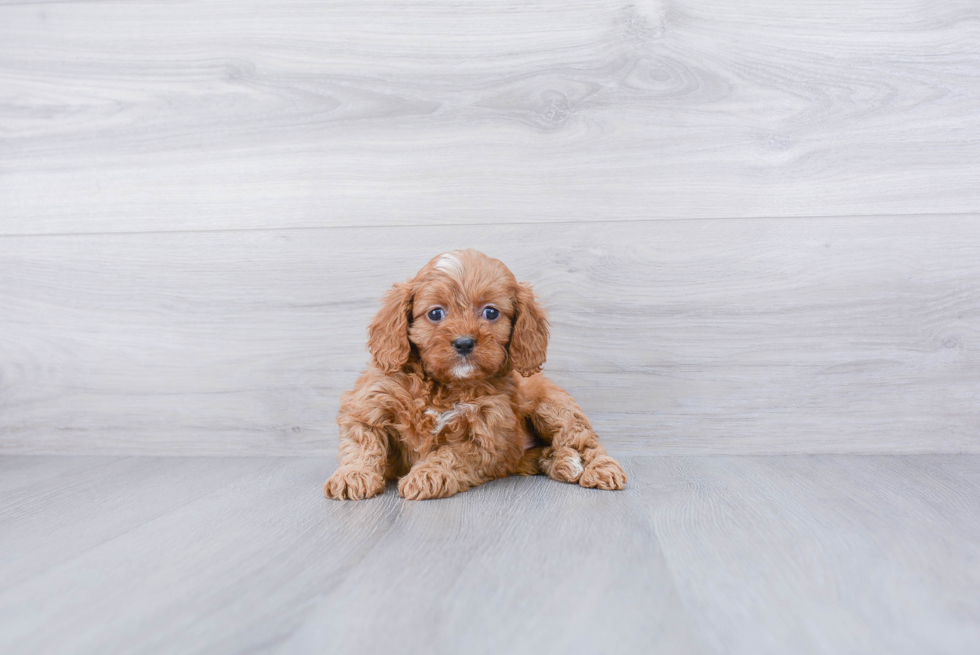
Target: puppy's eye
491, 313
436, 314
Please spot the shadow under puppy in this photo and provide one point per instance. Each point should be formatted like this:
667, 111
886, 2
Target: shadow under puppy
454, 397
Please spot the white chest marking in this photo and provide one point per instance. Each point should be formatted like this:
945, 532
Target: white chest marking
442, 418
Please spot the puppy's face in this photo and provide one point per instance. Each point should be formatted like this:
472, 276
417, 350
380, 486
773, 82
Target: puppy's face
462, 315
467, 318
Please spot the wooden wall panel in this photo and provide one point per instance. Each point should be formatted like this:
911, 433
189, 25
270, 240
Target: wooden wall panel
764, 335
155, 116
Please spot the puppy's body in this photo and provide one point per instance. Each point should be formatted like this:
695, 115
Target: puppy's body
454, 398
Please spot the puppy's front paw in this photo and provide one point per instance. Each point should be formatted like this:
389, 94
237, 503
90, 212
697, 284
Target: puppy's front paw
424, 482
562, 464
603, 473
351, 483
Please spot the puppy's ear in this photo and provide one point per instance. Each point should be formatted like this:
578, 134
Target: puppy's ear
529, 336
388, 333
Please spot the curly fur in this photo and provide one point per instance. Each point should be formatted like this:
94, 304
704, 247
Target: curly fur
441, 422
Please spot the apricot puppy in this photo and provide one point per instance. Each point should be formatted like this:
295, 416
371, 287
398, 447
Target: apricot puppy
454, 396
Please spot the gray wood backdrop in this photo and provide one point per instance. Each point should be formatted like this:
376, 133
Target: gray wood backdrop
756, 225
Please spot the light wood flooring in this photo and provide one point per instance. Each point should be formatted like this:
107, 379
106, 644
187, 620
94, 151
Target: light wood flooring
700, 554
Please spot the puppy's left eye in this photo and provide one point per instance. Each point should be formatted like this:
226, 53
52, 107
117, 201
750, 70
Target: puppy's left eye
491, 313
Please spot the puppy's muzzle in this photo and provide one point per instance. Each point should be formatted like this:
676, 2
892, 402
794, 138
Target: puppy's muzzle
464, 345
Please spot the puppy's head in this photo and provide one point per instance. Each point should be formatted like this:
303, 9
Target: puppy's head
465, 316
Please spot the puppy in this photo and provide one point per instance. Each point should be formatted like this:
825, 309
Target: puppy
454, 397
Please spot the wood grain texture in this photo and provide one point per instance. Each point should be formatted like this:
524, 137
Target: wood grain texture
765, 554
36, 541
822, 554
152, 117
851, 335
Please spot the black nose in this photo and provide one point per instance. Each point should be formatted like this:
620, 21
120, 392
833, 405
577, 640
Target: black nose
464, 345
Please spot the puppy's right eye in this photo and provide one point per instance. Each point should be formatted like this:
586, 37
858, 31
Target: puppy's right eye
436, 314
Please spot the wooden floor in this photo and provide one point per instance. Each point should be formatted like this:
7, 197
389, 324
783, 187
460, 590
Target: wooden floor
701, 554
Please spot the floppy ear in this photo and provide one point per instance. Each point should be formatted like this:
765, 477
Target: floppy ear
529, 336
388, 333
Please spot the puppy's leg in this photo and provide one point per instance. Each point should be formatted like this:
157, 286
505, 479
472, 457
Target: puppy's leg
363, 458
490, 449
575, 454
447, 471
